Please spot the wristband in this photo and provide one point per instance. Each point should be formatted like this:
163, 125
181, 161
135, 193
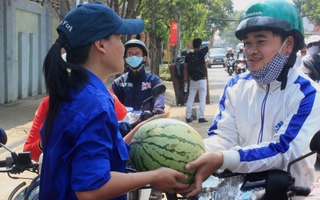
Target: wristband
40, 145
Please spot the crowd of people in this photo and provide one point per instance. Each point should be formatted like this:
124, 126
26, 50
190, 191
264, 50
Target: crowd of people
265, 118
308, 58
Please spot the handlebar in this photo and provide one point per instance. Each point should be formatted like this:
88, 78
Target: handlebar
3, 163
301, 191
259, 179
143, 116
225, 174
16, 164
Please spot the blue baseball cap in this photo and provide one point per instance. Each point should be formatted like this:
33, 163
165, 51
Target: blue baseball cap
93, 21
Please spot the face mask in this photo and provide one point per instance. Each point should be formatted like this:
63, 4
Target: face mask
134, 62
313, 50
272, 70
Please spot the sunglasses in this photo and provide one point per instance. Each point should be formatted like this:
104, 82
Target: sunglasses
313, 44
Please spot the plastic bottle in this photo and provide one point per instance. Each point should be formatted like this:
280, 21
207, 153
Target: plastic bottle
185, 87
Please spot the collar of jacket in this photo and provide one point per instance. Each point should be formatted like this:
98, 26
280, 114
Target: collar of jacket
139, 76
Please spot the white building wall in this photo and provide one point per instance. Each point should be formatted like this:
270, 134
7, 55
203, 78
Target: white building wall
26, 34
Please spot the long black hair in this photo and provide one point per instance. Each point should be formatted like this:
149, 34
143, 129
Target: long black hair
62, 77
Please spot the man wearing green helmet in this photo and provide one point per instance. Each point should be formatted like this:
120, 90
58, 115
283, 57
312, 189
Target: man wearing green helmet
266, 117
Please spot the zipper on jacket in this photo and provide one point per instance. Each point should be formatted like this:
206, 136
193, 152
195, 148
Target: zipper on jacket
263, 110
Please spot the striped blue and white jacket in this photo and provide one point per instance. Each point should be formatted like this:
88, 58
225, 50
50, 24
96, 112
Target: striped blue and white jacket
260, 127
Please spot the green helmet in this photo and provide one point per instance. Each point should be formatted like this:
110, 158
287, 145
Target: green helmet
278, 15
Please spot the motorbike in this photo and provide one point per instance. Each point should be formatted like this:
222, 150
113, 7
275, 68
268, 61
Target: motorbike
132, 119
230, 67
135, 117
265, 185
241, 65
17, 164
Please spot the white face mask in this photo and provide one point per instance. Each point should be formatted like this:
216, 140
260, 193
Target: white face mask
272, 70
313, 50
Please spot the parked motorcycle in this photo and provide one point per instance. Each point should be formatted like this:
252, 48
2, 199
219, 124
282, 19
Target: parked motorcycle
230, 68
17, 164
241, 65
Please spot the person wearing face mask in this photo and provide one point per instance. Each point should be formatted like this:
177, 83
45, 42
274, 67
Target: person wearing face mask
240, 55
313, 45
265, 118
134, 86
311, 62
302, 52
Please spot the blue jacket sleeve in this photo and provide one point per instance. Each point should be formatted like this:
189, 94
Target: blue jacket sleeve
158, 101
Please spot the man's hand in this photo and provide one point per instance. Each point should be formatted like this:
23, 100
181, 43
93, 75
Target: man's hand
206, 164
213, 32
214, 29
158, 112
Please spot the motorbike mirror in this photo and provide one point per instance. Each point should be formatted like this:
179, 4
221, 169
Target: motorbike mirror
315, 142
158, 89
3, 137
314, 147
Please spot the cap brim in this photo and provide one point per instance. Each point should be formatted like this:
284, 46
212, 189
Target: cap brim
130, 27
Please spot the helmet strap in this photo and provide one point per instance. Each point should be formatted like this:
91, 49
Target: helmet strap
138, 68
284, 74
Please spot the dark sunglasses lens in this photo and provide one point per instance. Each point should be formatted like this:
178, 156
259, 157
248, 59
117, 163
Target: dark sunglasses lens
313, 44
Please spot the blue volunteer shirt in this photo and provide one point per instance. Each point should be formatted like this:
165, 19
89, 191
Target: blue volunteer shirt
84, 145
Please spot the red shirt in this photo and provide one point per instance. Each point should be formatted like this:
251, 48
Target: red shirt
33, 140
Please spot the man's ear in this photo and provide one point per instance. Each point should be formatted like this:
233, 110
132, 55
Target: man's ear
289, 45
145, 58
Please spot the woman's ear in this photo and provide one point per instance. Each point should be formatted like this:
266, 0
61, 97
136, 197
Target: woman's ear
100, 45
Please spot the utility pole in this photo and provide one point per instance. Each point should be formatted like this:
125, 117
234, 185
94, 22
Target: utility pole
176, 48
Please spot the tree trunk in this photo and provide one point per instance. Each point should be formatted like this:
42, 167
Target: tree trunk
159, 54
153, 41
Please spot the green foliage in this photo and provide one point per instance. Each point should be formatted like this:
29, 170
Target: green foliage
310, 9
164, 74
196, 17
228, 34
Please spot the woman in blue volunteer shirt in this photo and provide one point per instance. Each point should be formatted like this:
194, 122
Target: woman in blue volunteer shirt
84, 154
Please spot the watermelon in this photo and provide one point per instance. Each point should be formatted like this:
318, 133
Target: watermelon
168, 143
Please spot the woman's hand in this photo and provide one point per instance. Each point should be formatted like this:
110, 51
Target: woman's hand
166, 180
206, 164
